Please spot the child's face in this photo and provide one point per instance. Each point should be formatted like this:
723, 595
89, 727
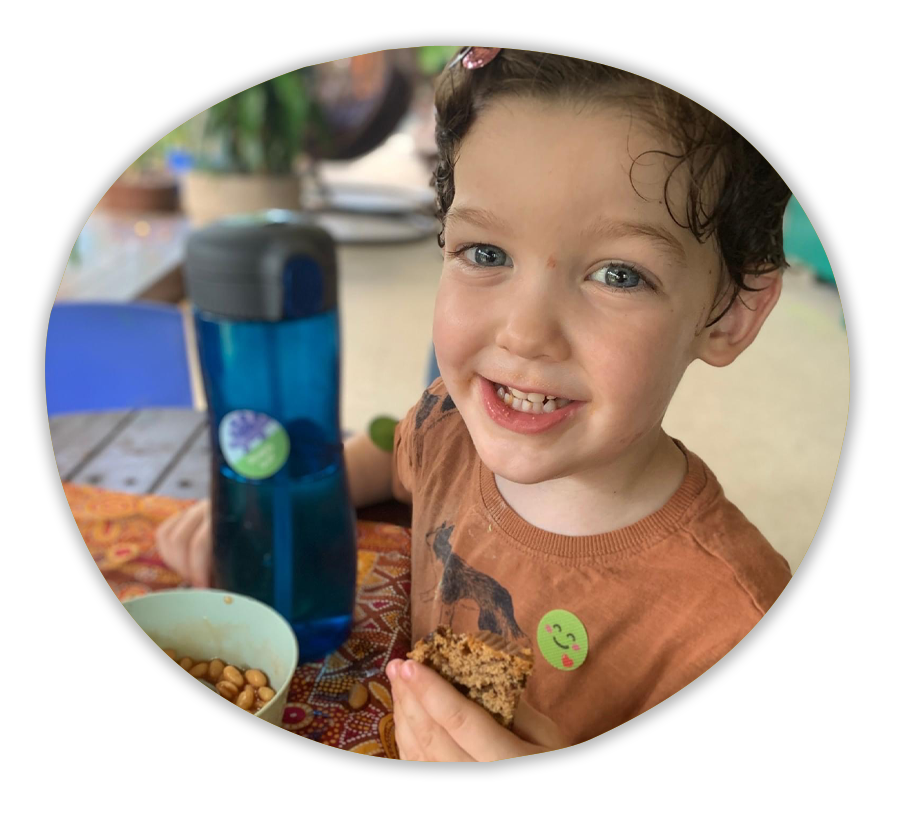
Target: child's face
560, 279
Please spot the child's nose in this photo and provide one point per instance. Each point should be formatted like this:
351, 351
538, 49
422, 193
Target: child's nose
531, 327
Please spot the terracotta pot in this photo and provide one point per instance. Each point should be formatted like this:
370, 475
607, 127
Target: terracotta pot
206, 197
142, 192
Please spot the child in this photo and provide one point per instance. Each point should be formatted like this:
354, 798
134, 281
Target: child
600, 233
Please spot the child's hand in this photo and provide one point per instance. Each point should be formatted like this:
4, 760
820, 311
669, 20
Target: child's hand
185, 543
435, 723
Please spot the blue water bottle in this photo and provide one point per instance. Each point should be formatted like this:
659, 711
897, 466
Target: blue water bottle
264, 291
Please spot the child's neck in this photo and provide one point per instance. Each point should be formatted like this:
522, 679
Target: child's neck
617, 495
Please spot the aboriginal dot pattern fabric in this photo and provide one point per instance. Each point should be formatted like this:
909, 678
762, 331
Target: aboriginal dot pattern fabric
119, 532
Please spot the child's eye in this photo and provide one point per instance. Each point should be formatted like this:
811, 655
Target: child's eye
619, 276
629, 278
487, 258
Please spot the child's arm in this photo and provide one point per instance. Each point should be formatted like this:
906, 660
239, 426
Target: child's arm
369, 471
185, 540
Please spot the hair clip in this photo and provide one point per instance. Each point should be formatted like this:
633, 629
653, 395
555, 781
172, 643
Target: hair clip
474, 57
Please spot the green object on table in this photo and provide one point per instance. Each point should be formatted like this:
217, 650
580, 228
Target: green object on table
802, 243
382, 432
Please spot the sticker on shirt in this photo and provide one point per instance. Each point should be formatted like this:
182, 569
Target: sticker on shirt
562, 640
254, 445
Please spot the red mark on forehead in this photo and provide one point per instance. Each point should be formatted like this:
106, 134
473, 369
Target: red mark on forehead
551, 261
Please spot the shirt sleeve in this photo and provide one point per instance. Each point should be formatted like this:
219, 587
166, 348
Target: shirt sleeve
407, 449
403, 462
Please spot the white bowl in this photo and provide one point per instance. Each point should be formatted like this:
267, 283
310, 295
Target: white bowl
206, 624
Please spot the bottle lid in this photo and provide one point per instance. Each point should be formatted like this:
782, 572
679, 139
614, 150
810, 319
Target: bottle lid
273, 265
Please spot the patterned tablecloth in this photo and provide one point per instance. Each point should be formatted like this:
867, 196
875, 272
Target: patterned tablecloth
119, 531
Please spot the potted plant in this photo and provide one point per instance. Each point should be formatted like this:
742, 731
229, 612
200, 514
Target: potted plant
148, 184
250, 145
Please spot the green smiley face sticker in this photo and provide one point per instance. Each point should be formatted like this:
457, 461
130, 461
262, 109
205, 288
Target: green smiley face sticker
562, 640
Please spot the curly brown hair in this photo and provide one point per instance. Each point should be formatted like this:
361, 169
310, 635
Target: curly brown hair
732, 193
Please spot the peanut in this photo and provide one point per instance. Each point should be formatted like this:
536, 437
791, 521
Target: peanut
256, 678
227, 689
232, 675
246, 698
250, 689
358, 697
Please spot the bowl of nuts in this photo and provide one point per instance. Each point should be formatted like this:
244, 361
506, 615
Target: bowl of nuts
238, 647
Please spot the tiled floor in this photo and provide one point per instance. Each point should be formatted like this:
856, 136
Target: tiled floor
770, 426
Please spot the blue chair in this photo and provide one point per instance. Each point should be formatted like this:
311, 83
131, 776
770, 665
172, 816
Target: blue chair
115, 356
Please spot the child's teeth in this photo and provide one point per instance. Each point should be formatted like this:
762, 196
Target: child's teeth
530, 403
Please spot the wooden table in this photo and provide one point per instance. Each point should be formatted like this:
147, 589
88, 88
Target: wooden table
122, 256
160, 451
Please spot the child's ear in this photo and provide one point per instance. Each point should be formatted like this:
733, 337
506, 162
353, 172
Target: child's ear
724, 341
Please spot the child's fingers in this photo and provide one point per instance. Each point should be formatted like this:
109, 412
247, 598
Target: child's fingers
200, 555
163, 530
190, 520
169, 550
175, 535
408, 750
166, 529
419, 738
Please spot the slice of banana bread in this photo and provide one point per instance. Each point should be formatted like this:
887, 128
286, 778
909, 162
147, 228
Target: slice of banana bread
484, 666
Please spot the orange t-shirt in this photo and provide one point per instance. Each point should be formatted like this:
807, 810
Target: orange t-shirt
659, 601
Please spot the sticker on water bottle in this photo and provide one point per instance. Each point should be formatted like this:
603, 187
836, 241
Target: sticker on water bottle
254, 445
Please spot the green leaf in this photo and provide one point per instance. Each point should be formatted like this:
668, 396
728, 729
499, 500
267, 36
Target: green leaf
291, 96
249, 128
433, 59
251, 110
292, 107
261, 128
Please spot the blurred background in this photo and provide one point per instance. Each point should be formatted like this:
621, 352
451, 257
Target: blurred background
350, 143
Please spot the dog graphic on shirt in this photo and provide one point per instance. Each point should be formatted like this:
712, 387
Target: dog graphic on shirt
461, 582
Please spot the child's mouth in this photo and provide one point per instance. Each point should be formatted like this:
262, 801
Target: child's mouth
525, 412
530, 402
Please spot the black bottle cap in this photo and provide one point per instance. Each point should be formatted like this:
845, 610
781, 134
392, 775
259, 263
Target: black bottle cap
271, 266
